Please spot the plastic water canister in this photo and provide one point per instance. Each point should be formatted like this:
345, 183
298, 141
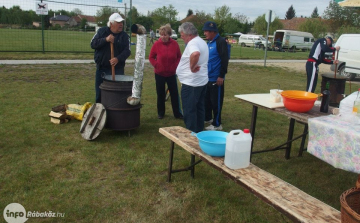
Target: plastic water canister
238, 149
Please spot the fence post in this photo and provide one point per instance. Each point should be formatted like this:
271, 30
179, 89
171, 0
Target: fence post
42, 33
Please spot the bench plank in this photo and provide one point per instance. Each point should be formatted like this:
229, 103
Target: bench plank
286, 198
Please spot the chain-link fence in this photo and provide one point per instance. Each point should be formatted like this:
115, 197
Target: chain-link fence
68, 26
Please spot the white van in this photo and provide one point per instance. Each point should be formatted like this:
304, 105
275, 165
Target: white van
173, 34
291, 39
253, 40
349, 56
157, 34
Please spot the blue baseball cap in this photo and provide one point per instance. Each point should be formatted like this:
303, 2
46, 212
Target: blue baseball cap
210, 26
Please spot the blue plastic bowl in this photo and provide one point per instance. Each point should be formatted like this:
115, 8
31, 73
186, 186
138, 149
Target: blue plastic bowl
212, 142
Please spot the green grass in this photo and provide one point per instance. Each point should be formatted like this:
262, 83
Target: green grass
56, 43
117, 178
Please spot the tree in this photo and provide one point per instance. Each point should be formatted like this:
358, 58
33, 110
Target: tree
315, 13
335, 15
222, 16
145, 21
190, 12
164, 15
241, 18
199, 20
76, 11
290, 13
83, 23
133, 14
237, 23
315, 26
103, 14
260, 25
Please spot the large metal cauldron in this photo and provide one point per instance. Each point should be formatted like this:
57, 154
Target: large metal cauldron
336, 88
120, 115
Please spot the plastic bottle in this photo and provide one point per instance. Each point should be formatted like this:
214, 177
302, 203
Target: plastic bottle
356, 107
324, 107
238, 149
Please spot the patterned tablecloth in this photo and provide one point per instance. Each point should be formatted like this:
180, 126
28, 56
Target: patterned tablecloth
335, 141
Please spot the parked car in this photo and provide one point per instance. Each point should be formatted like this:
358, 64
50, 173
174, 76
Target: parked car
253, 41
174, 35
349, 56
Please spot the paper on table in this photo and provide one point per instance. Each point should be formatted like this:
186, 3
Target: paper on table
260, 99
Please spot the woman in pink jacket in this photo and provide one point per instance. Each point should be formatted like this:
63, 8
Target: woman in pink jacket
165, 56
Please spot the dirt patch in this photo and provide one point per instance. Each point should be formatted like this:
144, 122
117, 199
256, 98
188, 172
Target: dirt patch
299, 67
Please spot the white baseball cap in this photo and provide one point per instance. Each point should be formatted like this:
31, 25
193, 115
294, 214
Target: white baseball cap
116, 17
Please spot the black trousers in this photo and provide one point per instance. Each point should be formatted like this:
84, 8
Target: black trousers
213, 102
312, 70
174, 94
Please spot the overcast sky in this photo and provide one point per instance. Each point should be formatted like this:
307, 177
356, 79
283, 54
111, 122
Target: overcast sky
250, 8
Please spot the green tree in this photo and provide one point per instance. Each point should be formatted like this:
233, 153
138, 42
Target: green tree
290, 13
199, 19
260, 25
190, 12
315, 13
133, 14
348, 29
103, 14
164, 15
76, 11
83, 23
146, 22
315, 26
222, 16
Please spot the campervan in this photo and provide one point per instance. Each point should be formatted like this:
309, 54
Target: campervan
349, 56
253, 40
290, 39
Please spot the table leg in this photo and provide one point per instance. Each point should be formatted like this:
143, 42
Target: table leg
252, 127
192, 165
305, 132
290, 136
170, 160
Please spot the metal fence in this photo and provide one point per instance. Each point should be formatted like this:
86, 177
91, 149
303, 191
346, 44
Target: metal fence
68, 26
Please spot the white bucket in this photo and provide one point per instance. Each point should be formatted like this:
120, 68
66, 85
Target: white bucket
238, 149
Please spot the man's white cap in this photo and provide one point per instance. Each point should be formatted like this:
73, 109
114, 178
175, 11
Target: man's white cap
116, 17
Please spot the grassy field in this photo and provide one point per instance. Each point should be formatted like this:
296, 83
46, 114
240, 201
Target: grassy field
75, 42
117, 178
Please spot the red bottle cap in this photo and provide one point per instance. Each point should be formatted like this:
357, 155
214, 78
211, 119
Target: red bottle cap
246, 131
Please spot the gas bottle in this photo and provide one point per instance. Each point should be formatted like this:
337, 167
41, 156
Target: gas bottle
238, 148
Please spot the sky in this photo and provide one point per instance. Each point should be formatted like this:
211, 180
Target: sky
250, 8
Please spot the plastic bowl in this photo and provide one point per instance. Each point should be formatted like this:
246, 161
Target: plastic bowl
304, 95
212, 142
298, 105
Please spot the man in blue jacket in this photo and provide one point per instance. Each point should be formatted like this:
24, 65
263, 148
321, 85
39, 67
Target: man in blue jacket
217, 68
316, 57
113, 33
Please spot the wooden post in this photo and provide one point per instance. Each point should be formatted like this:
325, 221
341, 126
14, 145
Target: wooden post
337, 56
112, 66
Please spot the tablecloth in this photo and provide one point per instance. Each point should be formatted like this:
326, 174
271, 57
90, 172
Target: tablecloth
335, 141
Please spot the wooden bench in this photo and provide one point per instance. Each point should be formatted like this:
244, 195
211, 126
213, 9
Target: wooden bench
289, 200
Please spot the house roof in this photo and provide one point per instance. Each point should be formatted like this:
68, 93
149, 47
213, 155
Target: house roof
188, 19
292, 24
60, 18
88, 18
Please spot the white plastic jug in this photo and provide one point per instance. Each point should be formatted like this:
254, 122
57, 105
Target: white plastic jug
238, 148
